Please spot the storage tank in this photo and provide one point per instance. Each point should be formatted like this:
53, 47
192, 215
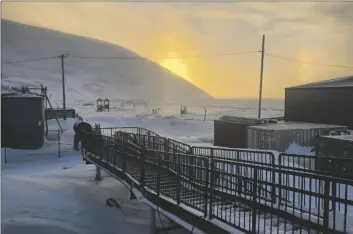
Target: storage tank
22, 121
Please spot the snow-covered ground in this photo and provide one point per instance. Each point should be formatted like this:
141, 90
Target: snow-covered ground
42, 193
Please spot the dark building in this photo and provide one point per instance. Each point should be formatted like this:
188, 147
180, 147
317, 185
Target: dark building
325, 102
22, 121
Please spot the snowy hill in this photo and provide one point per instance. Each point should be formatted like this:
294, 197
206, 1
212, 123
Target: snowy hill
86, 78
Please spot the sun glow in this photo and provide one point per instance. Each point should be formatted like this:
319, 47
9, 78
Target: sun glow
176, 66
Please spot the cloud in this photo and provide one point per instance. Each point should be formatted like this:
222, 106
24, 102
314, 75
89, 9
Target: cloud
312, 31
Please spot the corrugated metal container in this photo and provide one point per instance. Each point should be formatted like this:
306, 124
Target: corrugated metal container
231, 131
22, 121
279, 136
335, 146
340, 147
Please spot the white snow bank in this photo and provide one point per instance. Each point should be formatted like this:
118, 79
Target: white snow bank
61, 196
303, 150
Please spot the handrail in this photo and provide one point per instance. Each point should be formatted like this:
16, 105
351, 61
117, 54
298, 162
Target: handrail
196, 176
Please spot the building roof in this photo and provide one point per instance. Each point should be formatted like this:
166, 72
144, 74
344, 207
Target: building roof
346, 81
284, 125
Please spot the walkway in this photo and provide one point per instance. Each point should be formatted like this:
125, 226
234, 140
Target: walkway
216, 193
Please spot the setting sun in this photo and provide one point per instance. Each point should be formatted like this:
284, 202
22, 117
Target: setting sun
176, 66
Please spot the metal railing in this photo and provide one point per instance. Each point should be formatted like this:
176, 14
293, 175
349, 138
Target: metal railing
326, 165
252, 197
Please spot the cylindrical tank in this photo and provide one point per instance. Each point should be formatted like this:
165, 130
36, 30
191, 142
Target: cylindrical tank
81, 128
22, 121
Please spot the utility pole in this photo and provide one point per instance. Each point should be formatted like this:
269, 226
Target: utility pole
62, 56
261, 74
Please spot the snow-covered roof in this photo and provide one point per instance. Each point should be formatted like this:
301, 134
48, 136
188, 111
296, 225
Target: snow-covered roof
283, 125
346, 81
342, 137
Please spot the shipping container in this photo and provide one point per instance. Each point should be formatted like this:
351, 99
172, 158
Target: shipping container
339, 149
279, 136
231, 131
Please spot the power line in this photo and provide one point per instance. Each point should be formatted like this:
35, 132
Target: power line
173, 57
30, 60
312, 63
177, 57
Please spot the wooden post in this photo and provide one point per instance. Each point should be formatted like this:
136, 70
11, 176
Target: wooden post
153, 221
45, 113
98, 174
205, 114
63, 83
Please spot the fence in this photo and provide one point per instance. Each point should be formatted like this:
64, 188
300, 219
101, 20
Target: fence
327, 165
248, 196
59, 113
339, 167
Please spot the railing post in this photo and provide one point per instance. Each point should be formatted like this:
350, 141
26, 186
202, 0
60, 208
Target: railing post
98, 174
273, 174
334, 184
206, 191
178, 185
210, 196
237, 169
280, 179
114, 151
166, 144
158, 173
123, 156
326, 205
192, 167
254, 201
135, 139
101, 144
142, 169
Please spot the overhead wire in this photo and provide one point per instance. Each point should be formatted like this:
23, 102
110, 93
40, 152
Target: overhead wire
169, 57
179, 57
30, 60
307, 62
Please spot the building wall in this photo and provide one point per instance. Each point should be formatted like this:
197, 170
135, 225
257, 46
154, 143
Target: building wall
320, 105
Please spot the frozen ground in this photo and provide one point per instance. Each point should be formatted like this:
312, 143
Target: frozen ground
43, 194
60, 193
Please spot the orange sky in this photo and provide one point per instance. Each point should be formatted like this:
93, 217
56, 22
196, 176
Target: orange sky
318, 32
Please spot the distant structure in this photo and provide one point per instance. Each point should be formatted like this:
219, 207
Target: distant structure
102, 105
99, 105
106, 104
156, 111
325, 102
133, 103
183, 110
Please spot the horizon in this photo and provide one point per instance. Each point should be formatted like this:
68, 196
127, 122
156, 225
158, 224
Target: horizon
296, 31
